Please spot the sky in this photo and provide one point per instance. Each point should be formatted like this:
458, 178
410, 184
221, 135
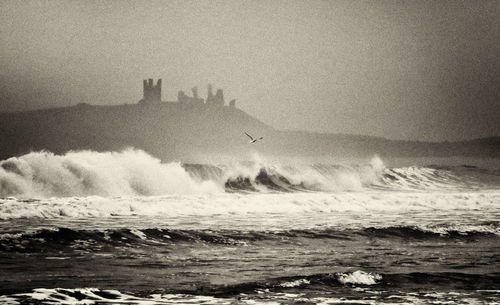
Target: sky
411, 70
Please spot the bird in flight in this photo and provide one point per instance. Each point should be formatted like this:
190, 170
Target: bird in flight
252, 140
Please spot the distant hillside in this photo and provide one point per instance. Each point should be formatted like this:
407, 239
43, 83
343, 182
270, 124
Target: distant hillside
167, 130
177, 131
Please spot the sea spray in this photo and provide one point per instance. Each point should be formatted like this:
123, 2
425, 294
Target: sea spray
84, 173
133, 172
262, 175
245, 204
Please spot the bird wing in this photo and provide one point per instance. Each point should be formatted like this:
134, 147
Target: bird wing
249, 136
261, 138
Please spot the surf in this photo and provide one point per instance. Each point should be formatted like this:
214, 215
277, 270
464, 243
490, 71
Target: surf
133, 172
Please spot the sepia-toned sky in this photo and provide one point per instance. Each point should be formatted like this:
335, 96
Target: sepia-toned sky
417, 70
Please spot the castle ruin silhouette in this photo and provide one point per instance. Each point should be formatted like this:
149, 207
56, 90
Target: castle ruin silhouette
152, 95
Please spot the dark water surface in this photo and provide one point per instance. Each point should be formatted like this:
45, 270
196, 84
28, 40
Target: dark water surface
382, 257
153, 233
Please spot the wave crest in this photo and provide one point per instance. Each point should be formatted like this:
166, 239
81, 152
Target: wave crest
133, 172
86, 173
359, 277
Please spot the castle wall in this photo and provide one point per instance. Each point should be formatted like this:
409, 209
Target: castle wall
152, 95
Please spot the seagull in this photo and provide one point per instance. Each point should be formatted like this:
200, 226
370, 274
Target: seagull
252, 140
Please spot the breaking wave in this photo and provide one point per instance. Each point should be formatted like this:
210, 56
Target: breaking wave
86, 173
135, 173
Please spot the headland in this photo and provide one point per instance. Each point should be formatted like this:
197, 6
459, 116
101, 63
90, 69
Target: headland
194, 128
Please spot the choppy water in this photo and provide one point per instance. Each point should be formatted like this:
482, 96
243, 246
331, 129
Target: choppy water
122, 227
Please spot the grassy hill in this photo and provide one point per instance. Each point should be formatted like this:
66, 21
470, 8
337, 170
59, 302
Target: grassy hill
176, 131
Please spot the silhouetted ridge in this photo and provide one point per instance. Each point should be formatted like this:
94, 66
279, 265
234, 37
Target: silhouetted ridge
196, 129
166, 130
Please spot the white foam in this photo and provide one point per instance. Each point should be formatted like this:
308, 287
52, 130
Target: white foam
91, 296
462, 229
7, 300
295, 283
241, 204
133, 172
139, 234
316, 177
422, 178
84, 173
359, 277
60, 296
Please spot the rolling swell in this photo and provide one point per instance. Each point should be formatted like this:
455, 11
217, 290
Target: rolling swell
375, 281
342, 282
65, 238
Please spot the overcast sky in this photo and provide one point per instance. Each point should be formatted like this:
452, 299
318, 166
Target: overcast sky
419, 70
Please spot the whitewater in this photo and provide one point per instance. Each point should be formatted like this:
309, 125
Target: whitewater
125, 227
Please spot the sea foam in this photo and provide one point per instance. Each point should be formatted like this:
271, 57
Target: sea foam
244, 204
86, 173
135, 173
359, 277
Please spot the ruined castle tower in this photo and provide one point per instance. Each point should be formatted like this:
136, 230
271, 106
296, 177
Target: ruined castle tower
152, 93
219, 97
195, 92
184, 98
215, 100
210, 95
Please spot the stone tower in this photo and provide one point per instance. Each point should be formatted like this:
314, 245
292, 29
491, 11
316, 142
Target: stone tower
210, 95
219, 97
152, 93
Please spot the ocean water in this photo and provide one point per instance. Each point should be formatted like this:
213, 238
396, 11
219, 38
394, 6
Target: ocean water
123, 227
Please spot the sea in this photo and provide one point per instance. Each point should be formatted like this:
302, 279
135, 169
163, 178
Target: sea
123, 227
